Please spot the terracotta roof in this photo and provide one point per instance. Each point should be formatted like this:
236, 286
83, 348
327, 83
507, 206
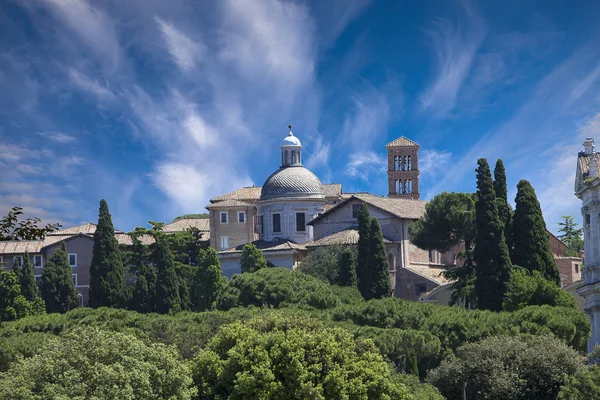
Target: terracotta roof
332, 190
347, 236
402, 141
584, 162
250, 194
401, 208
20, 246
87, 229
125, 239
228, 203
267, 246
49, 240
202, 224
433, 274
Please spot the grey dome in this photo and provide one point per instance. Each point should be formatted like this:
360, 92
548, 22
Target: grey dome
292, 181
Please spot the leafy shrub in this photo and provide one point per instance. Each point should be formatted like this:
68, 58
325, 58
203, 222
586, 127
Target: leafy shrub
507, 367
23, 345
525, 289
89, 363
585, 384
323, 263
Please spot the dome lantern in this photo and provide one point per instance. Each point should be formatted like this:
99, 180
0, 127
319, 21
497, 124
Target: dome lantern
291, 150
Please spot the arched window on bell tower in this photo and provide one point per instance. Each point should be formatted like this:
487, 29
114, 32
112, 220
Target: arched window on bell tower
409, 186
405, 163
409, 164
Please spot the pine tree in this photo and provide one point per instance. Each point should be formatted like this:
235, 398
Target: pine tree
347, 268
532, 246
167, 285
144, 293
362, 260
380, 285
252, 259
504, 209
56, 284
492, 269
107, 279
27, 280
571, 235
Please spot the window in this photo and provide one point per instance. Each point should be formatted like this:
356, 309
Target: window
224, 242
420, 289
405, 163
223, 217
293, 157
399, 186
73, 259
409, 164
408, 186
577, 268
261, 221
587, 219
241, 217
355, 208
276, 223
18, 260
37, 261
300, 222
74, 279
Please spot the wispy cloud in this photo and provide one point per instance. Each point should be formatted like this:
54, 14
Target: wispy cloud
184, 51
58, 137
365, 165
455, 44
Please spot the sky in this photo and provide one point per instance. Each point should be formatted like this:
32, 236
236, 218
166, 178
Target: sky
159, 106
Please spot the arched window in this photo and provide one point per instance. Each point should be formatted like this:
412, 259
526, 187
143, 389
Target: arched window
286, 157
391, 262
299, 157
409, 164
398, 185
293, 157
409, 186
405, 163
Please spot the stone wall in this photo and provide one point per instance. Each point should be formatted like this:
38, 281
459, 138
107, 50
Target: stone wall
237, 233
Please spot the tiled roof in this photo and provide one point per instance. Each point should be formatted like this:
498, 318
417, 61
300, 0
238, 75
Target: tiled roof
584, 162
228, 203
433, 274
267, 246
20, 247
125, 239
250, 194
202, 224
347, 236
87, 229
332, 190
402, 141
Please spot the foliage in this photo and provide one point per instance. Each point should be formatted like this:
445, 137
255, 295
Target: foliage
449, 219
167, 298
25, 344
532, 289
347, 268
363, 258
418, 390
208, 281
252, 259
107, 278
379, 271
463, 277
531, 243
504, 209
276, 287
323, 263
26, 276
89, 363
288, 358
144, 292
56, 284
11, 228
12, 304
571, 235
492, 261
507, 367
583, 385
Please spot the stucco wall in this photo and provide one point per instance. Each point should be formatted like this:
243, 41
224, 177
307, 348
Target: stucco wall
407, 283
287, 210
238, 233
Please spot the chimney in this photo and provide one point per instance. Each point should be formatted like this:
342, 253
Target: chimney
588, 145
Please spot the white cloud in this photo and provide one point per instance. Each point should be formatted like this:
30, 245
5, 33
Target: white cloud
184, 51
366, 164
58, 137
91, 86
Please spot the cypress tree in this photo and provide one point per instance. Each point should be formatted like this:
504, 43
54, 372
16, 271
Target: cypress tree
27, 280
504, 209
252, 259
208, 281
167, 285
347, 268
364, 239
107, 279
56, 284
492, 269
380, 285
412, 367
531, 243
144, 293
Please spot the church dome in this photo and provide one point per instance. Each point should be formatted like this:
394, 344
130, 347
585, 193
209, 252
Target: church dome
292, 181
290, 140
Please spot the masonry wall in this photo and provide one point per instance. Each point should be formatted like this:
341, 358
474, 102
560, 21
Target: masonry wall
408, 283
569, 269
238, 233
412, 174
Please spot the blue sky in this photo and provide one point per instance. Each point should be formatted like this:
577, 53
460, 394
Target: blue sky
158, 106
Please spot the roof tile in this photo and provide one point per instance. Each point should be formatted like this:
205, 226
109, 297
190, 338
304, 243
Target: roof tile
402, 141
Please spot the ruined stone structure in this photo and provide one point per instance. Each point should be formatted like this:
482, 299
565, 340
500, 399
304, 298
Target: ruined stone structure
403, 169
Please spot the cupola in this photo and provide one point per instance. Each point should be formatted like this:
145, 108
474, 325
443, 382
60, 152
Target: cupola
291, 150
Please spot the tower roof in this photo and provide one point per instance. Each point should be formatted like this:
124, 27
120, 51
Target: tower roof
402, 141
291, 140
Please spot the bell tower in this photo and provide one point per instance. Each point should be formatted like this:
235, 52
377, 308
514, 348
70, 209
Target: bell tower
403, 169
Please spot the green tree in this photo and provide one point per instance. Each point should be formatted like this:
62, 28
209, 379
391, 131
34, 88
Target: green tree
12, 304
12, 227
323, 262
507, 367
56, 284
91, 364
532, 289
291, 358
504, 209
380, 285
583, 385
449, 220
26, 276
167, 284
531, 242
492, 269
208, 281
107, 278
347, 268
571, 235
144, 292
252, 259
363, 273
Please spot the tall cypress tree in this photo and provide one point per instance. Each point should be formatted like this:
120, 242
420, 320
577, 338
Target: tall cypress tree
504, 209
492, 269
27, 280
347, 268
532, 246
167, 285
56, 285
208, 281
144, 292
107, 279
380, 285
364, 239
